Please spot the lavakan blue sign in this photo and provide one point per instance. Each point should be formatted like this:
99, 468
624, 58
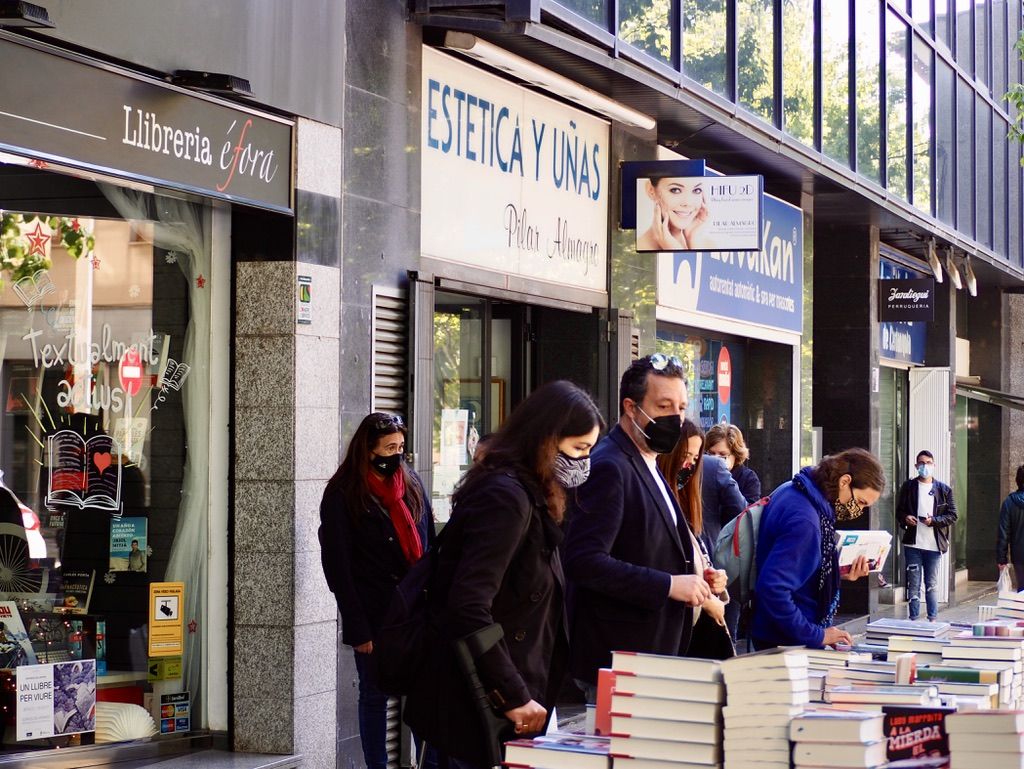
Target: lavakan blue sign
901, 340
763, 287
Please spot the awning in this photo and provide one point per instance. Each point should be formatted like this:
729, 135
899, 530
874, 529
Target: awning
995, 397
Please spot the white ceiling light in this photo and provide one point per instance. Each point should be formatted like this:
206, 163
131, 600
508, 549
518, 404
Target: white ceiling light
526, 70
969, 277
954, 273
933, 261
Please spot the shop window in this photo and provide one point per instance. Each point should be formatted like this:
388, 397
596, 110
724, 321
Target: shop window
704, 35
869, 86
104, 452
983, 166
897, 103
921, 150
965, 158
945, 138
647, 25
835, 81
755, 57
390, 351
798, 70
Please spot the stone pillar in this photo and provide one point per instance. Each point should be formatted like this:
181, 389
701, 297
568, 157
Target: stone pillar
286, 448
1013, 382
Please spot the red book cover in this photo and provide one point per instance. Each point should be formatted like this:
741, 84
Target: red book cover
603, 705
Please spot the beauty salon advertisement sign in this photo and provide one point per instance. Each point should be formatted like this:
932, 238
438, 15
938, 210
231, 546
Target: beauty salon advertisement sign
762, 287
512, 181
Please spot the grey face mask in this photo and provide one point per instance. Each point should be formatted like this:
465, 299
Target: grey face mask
571, 471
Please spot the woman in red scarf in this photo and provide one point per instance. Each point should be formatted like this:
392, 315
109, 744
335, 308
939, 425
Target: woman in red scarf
375, 522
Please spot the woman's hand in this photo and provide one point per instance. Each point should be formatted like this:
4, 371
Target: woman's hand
366, 648
528, 718
695, 232
859, 568
714, 608
717, 580
662, 232
834, 635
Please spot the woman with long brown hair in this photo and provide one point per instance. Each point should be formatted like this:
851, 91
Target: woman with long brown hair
498, 563
375, 522
797, 561
683, 468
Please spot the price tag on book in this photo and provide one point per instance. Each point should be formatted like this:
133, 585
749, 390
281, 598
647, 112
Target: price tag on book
166, 626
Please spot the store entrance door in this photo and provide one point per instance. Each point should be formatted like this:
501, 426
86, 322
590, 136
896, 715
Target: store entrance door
514, 348
892, 405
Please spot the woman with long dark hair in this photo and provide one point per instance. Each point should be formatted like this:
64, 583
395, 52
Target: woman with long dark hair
499, 563
375, 522
683, 468
797, 560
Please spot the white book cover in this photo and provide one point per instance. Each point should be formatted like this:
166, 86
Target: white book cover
873, 545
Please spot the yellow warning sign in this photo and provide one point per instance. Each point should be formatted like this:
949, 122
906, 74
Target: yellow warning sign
166, 623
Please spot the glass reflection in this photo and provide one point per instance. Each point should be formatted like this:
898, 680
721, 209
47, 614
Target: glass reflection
835, 81
646, 25
921, 11
755, 43
591, 10
983, 162
942, 26
964, 43
922, 124
1000, 178
704, 34
897, 39
945, 154
868, 56
798, 69
981, 41
965, 158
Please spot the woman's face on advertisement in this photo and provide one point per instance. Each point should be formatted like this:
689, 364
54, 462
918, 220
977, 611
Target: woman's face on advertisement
680, 199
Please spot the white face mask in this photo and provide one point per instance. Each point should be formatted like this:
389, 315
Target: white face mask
571, 471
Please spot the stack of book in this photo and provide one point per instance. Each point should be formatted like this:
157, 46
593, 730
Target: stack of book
974, 689
1010, 605
986, 739
873, 697
821, 661
559, 751
879, 631
1003, 654
764, 691
837, 739
928, 650
665, 712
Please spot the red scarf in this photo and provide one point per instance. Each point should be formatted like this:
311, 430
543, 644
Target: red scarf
391, 493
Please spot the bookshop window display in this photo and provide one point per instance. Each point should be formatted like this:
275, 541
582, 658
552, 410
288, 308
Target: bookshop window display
104, 338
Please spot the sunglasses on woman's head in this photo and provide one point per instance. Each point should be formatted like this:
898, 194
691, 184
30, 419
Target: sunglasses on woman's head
660, 361
387, 422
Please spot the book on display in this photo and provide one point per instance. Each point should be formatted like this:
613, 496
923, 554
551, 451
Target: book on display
985, 760
669, 688
1001, 653
665, 666
840, 755
906, 627
987, 722
666, 750
664, 729
873, 545
603, 701
781, 657
624, 762
914, 731
757, 697
962, 675
836, 726
906, 643
559, 751
884, 695
1000, 743
659, 707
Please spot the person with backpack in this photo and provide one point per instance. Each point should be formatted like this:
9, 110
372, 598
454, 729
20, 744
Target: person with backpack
375, 523
712, 638
498, 563
1011, 531
797, 590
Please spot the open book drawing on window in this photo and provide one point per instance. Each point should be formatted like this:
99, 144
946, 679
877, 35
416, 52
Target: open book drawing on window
84, 473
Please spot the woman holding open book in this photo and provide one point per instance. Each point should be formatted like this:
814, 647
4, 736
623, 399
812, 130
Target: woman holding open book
797, 590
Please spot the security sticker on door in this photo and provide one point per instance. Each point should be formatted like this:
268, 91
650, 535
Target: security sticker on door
166, 629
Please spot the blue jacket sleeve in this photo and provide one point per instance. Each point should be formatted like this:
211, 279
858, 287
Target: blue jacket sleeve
1003, 540
750, 485
731, 501
595, 526
794, 558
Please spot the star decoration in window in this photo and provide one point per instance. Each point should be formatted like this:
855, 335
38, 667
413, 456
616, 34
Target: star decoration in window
37, 240
200, 281
193, 626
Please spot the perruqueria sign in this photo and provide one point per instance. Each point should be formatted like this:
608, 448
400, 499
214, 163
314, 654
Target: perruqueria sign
910, 299
135, 127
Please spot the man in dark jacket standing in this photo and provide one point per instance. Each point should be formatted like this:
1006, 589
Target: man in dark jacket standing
924, 510
1011, 531
628, 552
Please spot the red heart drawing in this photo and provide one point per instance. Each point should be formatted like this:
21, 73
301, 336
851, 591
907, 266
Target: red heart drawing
102, 461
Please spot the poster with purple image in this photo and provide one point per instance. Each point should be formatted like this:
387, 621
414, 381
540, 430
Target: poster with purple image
74, 697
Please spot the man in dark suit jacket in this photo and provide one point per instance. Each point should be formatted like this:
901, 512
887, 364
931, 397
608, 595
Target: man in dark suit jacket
924, 510
628, 551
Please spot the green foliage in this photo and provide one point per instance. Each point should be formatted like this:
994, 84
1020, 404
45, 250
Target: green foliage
17, 260
645, 24
1015, 96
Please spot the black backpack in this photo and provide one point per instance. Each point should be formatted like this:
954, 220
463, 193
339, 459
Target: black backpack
401, 643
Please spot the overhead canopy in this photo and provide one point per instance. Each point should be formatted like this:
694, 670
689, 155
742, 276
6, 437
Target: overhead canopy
996, 397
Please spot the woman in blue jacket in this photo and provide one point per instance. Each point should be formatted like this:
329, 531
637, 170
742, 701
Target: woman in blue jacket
797, 590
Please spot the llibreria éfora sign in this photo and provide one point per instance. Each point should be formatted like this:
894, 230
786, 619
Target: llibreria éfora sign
68, 111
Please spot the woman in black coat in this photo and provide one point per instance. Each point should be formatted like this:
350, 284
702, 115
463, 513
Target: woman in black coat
499, 563
375, 522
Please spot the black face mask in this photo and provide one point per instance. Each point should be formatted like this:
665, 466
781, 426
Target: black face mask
386, 466
662, 433
685, 474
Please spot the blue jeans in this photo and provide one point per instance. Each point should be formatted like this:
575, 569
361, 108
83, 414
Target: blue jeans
927, 562
373, 720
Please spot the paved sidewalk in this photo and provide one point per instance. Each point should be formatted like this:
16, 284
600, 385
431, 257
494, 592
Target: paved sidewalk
970, 596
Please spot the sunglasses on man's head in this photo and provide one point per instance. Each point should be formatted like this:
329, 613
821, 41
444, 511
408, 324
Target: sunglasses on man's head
660, 361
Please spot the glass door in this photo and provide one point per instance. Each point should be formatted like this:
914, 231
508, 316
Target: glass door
892, 405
